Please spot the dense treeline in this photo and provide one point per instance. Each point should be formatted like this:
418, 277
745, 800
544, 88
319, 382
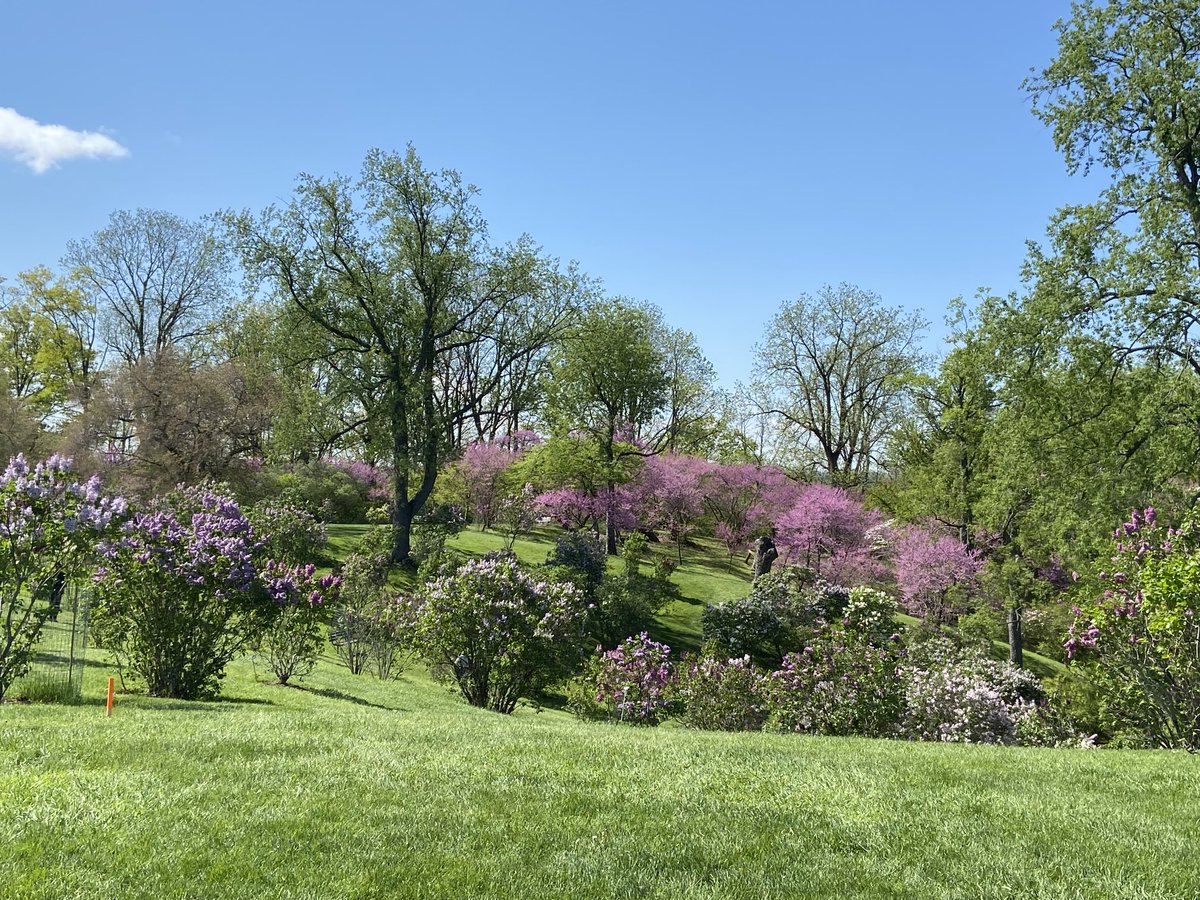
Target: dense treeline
368, 345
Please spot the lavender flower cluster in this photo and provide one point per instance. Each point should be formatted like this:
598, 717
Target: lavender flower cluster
632, 682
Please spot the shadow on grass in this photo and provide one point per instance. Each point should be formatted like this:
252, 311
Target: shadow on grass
334, 694
208, 704
678, 640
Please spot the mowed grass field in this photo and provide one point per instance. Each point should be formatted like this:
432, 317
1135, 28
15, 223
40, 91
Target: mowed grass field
348, 787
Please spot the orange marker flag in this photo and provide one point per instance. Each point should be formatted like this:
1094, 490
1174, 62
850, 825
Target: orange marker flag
108, 708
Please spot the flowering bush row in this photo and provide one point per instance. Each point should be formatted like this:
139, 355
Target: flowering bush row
840, 684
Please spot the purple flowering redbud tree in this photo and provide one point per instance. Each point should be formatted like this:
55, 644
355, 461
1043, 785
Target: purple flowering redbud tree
49, 525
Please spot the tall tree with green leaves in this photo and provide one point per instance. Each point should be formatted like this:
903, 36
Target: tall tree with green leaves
833, 371
1122, 96
610, 380
49, 357
397, 275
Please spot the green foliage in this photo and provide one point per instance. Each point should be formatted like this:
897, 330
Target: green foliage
290, 534
1138, 630
325, 491
496, 631
783, 609
292, 642
361, 624
719, 694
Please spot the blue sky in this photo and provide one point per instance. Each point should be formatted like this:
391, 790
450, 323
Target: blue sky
714, 159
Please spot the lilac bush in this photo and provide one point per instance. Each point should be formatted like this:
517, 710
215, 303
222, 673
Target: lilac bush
630, 683
49, 524
785, 607
839, 684
292, 642
871, 613
178, 592
1137, 629
960, 696
496, 630
720, 694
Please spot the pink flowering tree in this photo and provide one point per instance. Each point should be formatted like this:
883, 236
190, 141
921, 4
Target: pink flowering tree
481, 475
49, 525
674, 500
744, 501
581, 488
832, 532
934, 573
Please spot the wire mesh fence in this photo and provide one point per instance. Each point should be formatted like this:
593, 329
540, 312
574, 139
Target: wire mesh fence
57, 670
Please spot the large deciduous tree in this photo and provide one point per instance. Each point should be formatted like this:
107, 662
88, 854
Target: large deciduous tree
157, 280
396, 273
1122, 94
833, 369
609, 380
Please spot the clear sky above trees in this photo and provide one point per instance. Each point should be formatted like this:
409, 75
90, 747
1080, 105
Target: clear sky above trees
707, 158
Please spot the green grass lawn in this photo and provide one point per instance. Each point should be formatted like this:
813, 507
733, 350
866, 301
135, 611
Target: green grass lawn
347, 787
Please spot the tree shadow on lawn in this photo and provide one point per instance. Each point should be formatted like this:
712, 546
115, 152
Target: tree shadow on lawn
208, 704
334, 694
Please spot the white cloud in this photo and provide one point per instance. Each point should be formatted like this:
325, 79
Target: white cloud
42, 147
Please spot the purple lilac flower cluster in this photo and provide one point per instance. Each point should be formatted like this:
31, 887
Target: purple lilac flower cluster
37, 496
633, 680
199, 537
298, 585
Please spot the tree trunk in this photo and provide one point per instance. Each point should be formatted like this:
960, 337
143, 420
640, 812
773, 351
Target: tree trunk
1015, 654
765, 555
610, 523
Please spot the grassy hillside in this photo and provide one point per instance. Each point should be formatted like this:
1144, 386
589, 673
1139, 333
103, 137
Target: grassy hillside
349, 787
346, 787
706, 575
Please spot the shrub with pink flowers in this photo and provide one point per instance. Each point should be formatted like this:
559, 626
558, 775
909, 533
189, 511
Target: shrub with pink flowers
838, 684
49, 525
498, 632
631, 683
1137, 631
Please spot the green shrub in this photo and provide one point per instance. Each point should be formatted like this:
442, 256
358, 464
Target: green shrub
496, 631
721, 694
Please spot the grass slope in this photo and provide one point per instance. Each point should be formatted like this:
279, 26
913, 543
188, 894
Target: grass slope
348, 787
